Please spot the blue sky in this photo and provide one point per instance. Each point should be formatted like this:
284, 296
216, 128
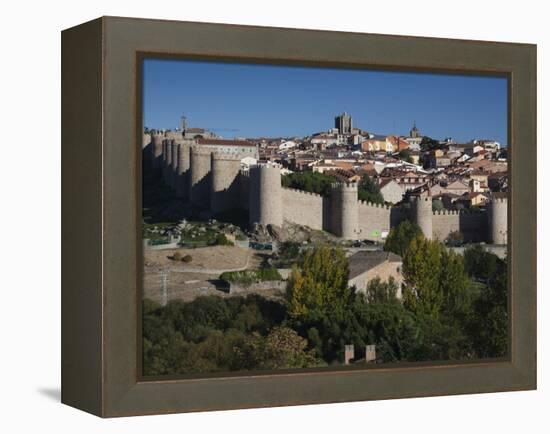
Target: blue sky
280, 101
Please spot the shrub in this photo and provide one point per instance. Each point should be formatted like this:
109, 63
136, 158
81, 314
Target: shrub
369, 190
455, 238
437, 205
176, 256
221, 240
187, 258
248, 277
313, 182
400, 237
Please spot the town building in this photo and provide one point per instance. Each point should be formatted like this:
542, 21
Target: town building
344, 123
365, 266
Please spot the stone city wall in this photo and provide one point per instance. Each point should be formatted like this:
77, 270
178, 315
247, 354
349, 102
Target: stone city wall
225, 191
374, 221
472, 225
303, 208
443, 223
244, 189
216, 182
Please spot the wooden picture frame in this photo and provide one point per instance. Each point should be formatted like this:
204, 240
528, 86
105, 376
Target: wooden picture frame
101, 245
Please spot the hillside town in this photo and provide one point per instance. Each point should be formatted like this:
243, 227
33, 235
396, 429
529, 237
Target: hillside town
347, 216
456, 175
460, 175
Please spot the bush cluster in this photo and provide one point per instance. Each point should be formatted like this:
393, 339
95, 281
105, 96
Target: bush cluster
454, 308
248, 277
177, 256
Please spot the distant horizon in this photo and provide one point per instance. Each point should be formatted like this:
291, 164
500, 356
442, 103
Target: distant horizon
252, 101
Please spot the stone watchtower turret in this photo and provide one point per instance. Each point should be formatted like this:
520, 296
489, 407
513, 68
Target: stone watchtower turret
498, 221
167, 169
266, 195
345, 210
224, 191
156, 150
422, 214
199, 183
175, 162
182, 174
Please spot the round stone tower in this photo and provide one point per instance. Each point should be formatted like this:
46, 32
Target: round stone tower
423, 215
498, 221
266, 195
167, 170
146, 152
224, 191
175, 161
345, 210
199, 188
182, 174
162, 161
156, 150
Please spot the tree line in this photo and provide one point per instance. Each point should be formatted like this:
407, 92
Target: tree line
454, 307
320, 183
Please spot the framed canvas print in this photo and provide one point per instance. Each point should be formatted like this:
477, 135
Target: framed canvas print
262, 217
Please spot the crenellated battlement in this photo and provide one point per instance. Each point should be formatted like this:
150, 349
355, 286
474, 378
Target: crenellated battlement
342, 186
302, 192
268, 165
214, 179
374, 205
446, 212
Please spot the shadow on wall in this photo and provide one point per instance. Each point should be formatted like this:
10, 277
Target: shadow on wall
398, 215
200, 192
327, 214
227, 199
146, 153
474, 226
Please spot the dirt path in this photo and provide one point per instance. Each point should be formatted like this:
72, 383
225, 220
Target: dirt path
187, 269
186, 281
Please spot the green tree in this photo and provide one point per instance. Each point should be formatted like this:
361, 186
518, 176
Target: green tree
429, 144
400, 237
455, 238
320, 286
222, 240
381, 292
283, 348
489, 328
388, 325
405, 155
437, 205
313, 182
421, 270
482, 265
453, 282
369, 191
